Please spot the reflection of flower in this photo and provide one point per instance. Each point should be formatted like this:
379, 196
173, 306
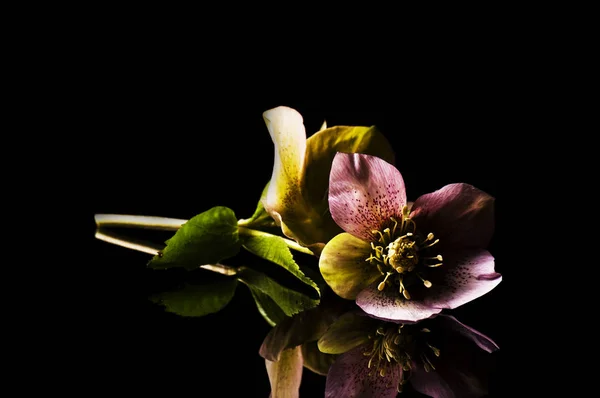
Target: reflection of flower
292, 344
439, 357
405, 264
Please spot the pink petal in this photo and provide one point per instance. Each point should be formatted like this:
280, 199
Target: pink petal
389, 305
430, 383
460, 215
452, 378
349, 377
482, 341
364, 192
468, 274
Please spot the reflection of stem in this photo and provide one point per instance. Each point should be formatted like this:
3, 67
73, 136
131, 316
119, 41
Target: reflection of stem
290, 243
148, 222
138, 245
151, 248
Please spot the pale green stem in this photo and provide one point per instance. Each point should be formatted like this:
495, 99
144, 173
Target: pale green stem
171, 224
290, 243
137, 245
148, 222
153, 249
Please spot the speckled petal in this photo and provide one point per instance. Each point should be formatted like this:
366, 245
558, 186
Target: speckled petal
349, 377
467, 275
364, 192
460, 215
390, 305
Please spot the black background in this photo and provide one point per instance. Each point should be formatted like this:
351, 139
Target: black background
168, 142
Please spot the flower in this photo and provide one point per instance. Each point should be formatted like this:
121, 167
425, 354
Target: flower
439, 357
292, 344
296, 196
399, 262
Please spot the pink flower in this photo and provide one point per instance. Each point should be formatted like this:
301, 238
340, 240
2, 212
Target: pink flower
405, 263
438, 357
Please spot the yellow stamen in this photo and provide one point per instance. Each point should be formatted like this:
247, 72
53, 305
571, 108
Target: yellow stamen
431, 244
425, 281
438, 257
381, 285
436, 351
380, 235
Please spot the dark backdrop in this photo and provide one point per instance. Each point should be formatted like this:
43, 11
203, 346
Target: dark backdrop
167, 144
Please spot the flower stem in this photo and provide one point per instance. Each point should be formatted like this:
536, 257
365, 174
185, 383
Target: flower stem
151, 248
170, 224
290, 243
147, 222
140, 246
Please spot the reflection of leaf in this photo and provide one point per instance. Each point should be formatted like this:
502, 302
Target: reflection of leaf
207, 238
272, 313
198, 300
290, 301
274, 249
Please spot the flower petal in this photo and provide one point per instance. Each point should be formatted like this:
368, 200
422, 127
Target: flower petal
285, 375
343, 266
364, 192
307, 325
460, 215
468, 274
348, 331
289, 137
349, 377
458, 374
321, 148
315, 360
389, 305
482, 341
430, 383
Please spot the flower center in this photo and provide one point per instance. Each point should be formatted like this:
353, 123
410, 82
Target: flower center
400, 252
393, 345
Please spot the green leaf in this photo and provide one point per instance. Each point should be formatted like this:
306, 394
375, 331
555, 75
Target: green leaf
207, 238
198, 300
272, 313
274, 249
290, 301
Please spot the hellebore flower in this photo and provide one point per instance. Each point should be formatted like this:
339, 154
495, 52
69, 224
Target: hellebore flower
399, 263
292, 344
439, 357
296, 196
